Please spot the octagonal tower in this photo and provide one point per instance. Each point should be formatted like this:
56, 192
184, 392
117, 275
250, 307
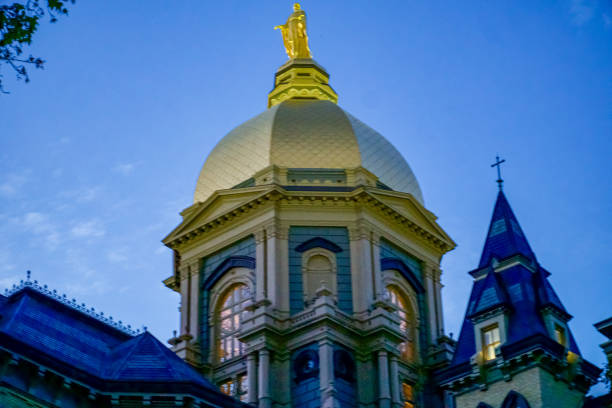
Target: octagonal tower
308, 266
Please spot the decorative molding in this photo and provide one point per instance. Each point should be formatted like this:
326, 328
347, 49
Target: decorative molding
358, 196
398, 265
237, 261
318, 242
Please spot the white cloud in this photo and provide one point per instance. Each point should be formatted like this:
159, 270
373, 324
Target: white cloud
117, 255
125, 168
88, 229
40, 225
12, 183
82, 195
98, 287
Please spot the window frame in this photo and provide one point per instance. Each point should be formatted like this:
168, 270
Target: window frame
233, 277
494, 327
393, 279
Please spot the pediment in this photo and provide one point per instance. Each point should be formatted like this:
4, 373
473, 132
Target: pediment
220, 203
408, 207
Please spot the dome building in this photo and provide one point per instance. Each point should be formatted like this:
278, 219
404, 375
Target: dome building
308, 266
309, 273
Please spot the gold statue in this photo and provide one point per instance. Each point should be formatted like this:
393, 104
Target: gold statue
294, 34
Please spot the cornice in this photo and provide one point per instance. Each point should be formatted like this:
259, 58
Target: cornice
276, 194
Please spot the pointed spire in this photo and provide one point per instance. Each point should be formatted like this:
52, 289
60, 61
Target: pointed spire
505, 237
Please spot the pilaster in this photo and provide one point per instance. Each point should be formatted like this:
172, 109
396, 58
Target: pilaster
277, 258
260, 266
361, 269
252, 378
264, 379
326, 373
384, 392
395, 385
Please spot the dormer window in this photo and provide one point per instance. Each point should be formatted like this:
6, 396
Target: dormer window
560, 335
490, 340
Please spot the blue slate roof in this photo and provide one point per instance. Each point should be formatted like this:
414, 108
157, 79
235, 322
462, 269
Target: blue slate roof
77, 345
505, 237
523, 292
491, 295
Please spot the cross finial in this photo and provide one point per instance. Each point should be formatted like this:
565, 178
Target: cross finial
497, 164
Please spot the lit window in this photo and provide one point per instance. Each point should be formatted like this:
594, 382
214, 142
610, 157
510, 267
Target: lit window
490, 340
228, 319
560, 335
236, 387
408, 394
406, 323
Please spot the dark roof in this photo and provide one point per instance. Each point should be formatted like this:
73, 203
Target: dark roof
505, 236
523, 290
491, 295
55, 335
605, 327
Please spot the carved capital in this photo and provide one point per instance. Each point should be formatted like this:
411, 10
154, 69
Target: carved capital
277, 230
260, 236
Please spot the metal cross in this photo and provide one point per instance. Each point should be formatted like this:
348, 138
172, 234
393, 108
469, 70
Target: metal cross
497, 164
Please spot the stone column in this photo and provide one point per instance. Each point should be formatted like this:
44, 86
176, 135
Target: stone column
384, 397
361, 269
252, 378
185, 282
379, 290
438, 285
194, 304
432, 307
395, 385
260, 266
277, 257
264, 379
326, 373
272, 263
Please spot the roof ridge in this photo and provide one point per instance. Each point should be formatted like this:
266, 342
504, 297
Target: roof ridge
70, 303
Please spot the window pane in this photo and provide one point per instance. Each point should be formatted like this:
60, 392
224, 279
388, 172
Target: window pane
407, 348
229, 322
490, 340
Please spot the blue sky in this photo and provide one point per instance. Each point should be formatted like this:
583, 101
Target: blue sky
100, 152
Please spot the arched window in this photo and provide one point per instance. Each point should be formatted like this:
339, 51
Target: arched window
228, 315
318, 270
407, 326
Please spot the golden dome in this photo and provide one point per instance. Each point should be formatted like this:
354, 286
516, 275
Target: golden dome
305, 134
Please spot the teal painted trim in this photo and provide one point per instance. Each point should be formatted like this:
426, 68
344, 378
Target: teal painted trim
336, 176
246, 183
243, 248
389, 250
339, 237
